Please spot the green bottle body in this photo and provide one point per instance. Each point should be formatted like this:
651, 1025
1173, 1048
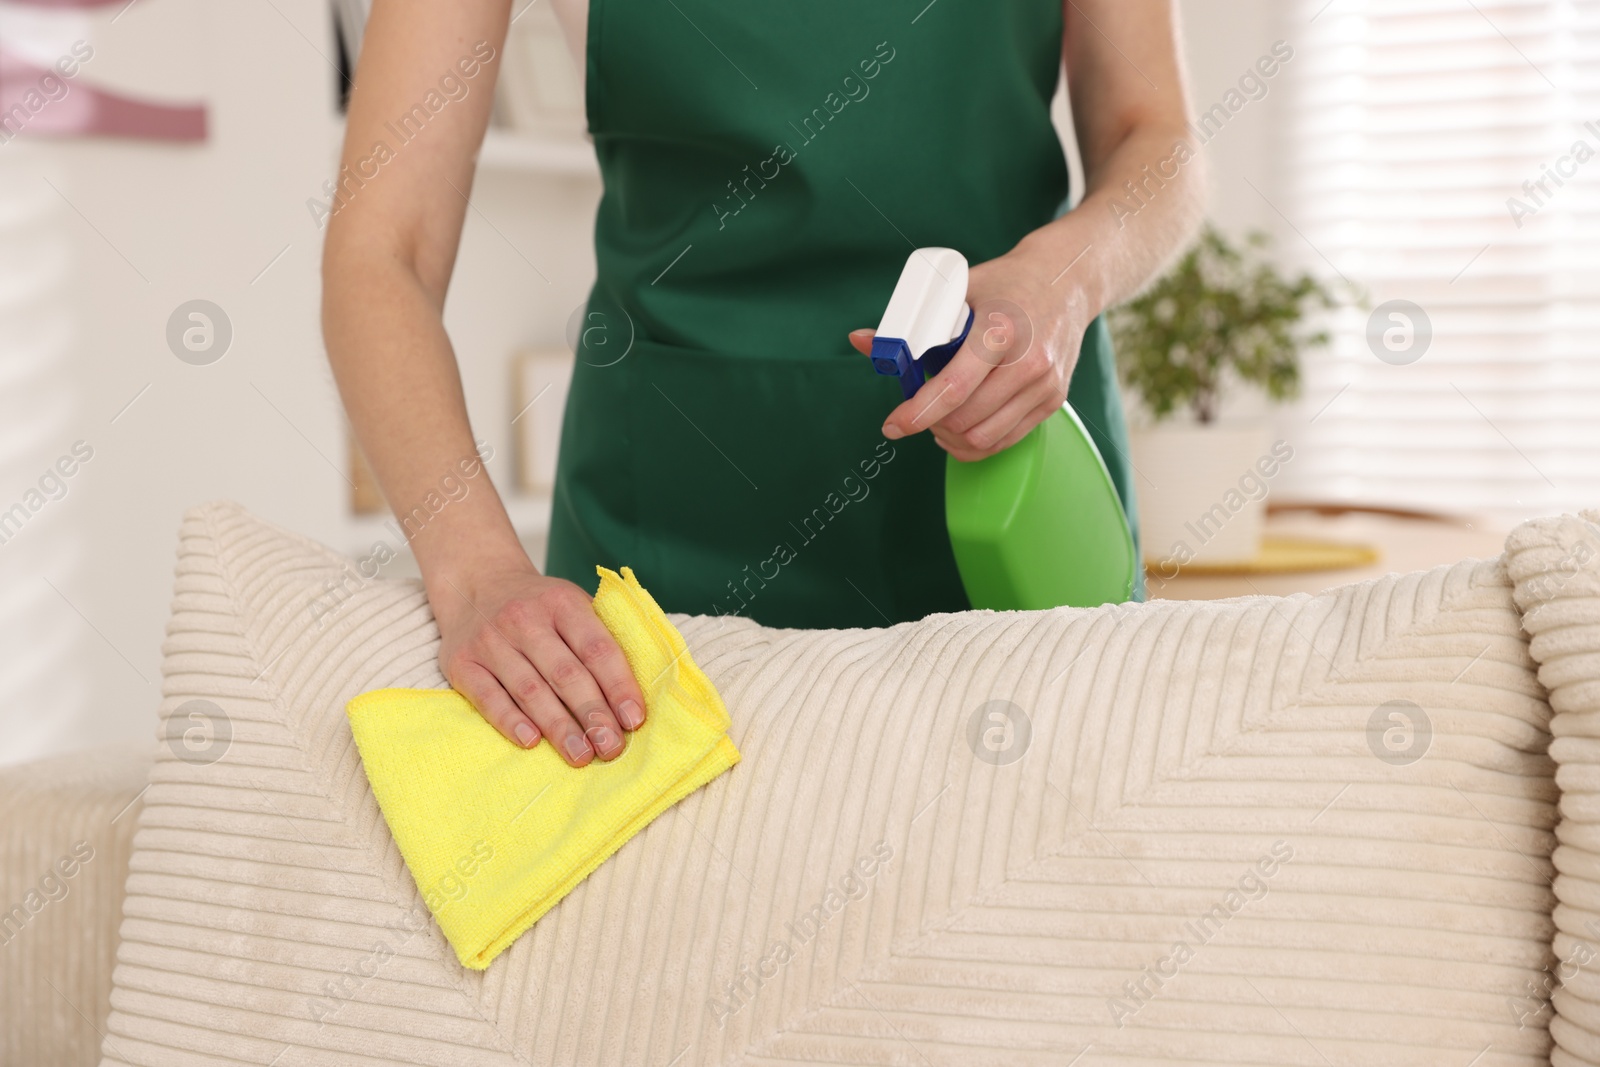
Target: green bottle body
1040, 525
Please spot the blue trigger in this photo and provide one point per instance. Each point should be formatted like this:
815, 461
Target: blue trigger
934, 360
891, 356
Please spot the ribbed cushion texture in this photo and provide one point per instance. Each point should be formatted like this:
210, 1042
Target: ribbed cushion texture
1555, 563
58, 932
971, 840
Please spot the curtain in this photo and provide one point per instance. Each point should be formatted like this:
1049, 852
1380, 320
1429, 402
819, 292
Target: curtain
1444, 155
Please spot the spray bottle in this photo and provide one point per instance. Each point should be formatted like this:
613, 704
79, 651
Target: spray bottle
1039, 525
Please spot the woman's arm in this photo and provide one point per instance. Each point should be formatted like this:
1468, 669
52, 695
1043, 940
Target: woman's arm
527, 650
1125, 81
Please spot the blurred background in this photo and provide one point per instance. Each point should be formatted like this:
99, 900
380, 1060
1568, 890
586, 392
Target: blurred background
1424, 166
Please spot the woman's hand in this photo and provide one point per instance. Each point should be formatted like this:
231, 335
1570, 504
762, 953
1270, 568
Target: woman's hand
1015, 367
536, 661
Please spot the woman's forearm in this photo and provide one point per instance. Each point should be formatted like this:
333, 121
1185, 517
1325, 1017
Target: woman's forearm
1144, 177
398, 376
387, 260
1141, 207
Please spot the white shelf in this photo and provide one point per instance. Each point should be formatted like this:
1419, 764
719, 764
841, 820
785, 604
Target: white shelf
531, 153
530, 515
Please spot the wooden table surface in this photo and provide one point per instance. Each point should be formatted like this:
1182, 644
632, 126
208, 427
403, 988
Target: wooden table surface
1403, 545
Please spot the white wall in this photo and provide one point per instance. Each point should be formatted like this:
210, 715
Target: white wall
526, 264
1223, 39
1249, 159
150, 226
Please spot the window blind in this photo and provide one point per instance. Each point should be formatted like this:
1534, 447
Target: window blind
1447, 153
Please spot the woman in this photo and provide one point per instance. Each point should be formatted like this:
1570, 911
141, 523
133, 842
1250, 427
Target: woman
767, 171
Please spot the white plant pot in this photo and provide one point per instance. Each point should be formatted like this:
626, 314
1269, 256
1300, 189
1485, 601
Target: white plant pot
1202, 492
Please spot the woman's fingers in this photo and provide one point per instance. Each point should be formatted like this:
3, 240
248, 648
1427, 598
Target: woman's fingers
861, 341
1027, 424
999, 359
991, 411
962, 449
538, 700
1022, 376
479, 685
600, 654
576, 688
1001, 428
939, 396
536, 661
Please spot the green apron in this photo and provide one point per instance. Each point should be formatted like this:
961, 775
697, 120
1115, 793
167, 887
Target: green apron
768, 168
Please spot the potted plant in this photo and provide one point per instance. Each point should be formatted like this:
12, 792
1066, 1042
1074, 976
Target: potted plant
1224, 316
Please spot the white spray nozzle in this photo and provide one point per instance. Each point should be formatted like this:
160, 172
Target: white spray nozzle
929, 305
926, 320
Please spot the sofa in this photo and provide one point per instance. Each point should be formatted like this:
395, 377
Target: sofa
1361, 827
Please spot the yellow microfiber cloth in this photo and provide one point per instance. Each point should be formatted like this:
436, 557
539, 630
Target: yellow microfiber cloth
495, 834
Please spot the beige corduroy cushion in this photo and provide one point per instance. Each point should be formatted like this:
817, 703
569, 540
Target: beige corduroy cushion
1556, 565
973, 840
